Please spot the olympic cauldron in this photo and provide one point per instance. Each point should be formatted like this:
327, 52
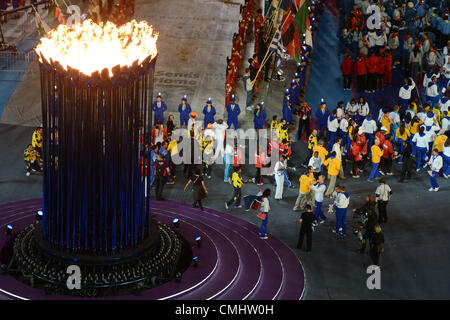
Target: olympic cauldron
96, 90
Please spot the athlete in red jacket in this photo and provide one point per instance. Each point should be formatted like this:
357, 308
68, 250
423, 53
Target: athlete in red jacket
388, 67
347, 71
380, 72
361, 72
388, 154
372, 70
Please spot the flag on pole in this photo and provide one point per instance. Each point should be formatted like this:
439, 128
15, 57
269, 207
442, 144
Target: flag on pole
308, 34
40, 24
277, 46
294, 24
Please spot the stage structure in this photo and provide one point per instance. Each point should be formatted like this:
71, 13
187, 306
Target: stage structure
96, 88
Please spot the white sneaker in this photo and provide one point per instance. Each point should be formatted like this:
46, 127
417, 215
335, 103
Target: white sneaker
389, 173
28, 174
445, 176
382, 173
322, 222
418, 169
424, 166
437, 189
226, 205
264, 238
431, 189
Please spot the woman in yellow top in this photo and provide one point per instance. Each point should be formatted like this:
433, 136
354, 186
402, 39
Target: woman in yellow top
402, 134
385, 122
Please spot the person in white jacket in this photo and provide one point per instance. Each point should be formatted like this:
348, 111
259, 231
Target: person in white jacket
435, 163
432, 91
332, 125
279, 169
342, 200
319, 190
370, 127
219, 129
404, 93
363, 109
421, 141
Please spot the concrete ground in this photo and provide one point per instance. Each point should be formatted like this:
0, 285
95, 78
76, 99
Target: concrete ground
196, 35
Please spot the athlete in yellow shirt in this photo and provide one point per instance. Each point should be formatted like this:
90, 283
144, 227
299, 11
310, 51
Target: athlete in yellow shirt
377, 153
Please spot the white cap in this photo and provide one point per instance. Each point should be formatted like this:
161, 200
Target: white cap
383, 129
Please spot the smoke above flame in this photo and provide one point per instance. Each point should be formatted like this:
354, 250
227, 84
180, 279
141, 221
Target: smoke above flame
90, 47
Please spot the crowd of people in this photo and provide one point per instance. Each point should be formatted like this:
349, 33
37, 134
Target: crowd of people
341, 142
408, 36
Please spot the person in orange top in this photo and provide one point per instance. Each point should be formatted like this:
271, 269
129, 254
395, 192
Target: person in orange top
334, 165
377, 153
388, 67
372, 70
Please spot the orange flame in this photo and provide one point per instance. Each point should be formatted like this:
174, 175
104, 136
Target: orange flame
90, 47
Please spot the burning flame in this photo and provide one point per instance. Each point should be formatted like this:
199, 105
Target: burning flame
90, 47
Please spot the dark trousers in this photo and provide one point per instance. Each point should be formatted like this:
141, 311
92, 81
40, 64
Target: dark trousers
375, 255
199, 202
347, 82
356, 165
372, 82
386, 164
258, 177
33, 165
236, 197
361, 83
310, 153
305, 231
303, 124
382, 213
406, 169
159, 182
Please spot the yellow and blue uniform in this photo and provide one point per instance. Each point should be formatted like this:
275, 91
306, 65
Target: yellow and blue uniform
237, 185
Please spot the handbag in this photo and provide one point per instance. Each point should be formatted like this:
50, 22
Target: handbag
255, 204
261, 215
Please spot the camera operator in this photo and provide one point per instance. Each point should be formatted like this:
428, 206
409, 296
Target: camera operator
368, 221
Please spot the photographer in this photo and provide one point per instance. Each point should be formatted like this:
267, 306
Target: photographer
368, 221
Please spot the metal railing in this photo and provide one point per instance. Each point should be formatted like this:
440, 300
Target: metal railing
16, 61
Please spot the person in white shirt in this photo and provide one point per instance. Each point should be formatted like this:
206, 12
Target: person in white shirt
193, 122
435, 165
363, 109
421, 115
446, 158
219, 132
383, 195
394, 118
370, 127
340, 110
352, 109
343, 130
431, 134
265, 208
279, 169
421, 141
332, 125
404, 93
337, 147
342, 200
228, 157
319, 190
446, 122
316, 163
432, 91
